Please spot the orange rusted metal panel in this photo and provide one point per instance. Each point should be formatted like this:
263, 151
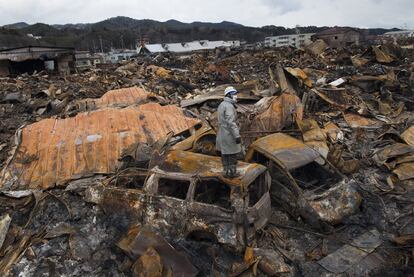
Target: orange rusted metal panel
116, 98
55, 151
282, 112
408, 136
357, 121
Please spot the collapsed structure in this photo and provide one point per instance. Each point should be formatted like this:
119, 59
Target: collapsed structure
114, 171
29, 59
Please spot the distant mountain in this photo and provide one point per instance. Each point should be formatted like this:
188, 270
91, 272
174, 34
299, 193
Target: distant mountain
125, 32
79, 26
18, 25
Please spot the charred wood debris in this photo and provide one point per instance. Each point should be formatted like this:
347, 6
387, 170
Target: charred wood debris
328, 135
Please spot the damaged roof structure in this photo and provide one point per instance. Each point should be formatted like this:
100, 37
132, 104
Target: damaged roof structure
36, 58
114, 172
186, 47
340, 36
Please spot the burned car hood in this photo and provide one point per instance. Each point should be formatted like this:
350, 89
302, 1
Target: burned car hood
203, 166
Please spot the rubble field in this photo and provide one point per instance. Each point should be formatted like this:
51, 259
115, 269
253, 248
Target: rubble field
113, 171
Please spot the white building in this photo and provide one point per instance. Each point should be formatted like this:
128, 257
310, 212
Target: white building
187, 47
296, 40
400, 34
117, 56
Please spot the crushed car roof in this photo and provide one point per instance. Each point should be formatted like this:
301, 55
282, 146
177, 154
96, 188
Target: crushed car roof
203, 166
290, 152
55, 151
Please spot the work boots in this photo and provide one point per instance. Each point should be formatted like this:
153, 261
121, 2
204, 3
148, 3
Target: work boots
233, 171
226, 172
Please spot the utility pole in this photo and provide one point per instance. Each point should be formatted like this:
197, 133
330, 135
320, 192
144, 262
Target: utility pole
122, 41
100, 40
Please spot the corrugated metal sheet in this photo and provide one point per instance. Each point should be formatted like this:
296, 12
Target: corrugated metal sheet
115, 98
54, 151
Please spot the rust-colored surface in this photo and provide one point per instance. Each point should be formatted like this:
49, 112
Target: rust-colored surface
357, 121
54, 151
339, 202
334, 97
408, 136
313, 136
392, 151
282, 112
405, 171
381, 56
288, 151
300, 74
116, 98
189, 143
204, 166
333, 132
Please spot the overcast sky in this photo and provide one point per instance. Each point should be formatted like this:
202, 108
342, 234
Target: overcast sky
288, 13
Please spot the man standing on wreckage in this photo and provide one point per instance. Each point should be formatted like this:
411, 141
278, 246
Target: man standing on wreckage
228, 137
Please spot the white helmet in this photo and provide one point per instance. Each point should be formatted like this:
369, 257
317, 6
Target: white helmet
229, 90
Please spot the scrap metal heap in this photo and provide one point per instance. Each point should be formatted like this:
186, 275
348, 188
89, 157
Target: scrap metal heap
113, 171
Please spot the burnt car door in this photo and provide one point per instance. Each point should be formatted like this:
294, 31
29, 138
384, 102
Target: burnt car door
166, 207
210, 212
259, 203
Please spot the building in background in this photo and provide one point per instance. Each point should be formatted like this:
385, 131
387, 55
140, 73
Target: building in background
400, 34
117, 56
338, 37
186, 47
29, 59
84, 59
295, 40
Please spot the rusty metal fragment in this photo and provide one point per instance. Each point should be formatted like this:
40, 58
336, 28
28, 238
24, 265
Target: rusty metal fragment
349, 255
116, 98
136, 244
381, 56
333, 132
398, 149
301, 75
4, 227
281, 112
290, 152
333, 96
357, 121
202, 141
317, 47
244, 94
405, 171
337, 203
313, 136
408, 136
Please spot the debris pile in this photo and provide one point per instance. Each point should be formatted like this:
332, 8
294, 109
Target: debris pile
114, 171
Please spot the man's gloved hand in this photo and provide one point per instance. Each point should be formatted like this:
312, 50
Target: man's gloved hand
238, 140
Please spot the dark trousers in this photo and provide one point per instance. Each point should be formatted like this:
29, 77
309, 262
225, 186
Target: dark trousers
229, 161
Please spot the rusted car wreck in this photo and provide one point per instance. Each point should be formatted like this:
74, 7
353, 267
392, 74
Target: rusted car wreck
300, 184
187, 196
